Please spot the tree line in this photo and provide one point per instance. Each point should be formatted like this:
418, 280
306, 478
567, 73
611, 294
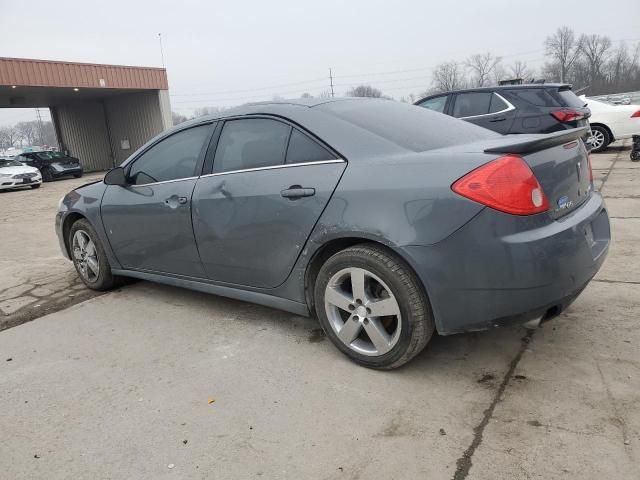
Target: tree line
24, 134
590, 62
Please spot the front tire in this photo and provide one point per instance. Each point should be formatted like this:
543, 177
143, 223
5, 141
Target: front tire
89, 257
47, 176
37, 185
77, 175
600, 138
373, 307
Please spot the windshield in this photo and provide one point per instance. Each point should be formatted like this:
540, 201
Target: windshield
5, 162
49, 155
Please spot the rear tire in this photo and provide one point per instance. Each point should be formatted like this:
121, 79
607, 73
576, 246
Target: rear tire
600, 138
36, 186
77, 175
89, 257
404, 324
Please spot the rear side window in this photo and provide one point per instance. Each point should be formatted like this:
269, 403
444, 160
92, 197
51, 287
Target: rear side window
304, 149
570, 99
251, 143
497, 104
436, 104
471, 104
173, 158
539, 97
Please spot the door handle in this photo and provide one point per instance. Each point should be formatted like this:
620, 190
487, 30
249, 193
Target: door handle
173, 201
296, 191
498, 119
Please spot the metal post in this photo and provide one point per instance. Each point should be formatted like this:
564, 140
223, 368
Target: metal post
331, 81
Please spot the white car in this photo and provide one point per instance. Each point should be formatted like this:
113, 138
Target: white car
15, 174
611, 122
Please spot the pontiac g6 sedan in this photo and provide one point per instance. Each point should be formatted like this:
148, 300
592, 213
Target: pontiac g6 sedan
387, 221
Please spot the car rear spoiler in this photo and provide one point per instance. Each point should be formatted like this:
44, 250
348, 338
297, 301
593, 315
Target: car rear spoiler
542, 142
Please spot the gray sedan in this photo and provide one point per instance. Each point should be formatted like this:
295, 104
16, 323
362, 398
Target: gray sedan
388, 221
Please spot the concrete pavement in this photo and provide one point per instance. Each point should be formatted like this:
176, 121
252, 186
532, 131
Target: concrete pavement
121, 386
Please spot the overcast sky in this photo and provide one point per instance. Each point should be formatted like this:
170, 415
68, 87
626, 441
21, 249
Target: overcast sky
230, 52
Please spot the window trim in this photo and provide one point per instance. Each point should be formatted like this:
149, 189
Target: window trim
508, 109
272, 167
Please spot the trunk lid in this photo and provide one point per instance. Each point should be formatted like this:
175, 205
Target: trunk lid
560, 163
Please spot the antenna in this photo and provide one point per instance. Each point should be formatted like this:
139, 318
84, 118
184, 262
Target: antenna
161, 50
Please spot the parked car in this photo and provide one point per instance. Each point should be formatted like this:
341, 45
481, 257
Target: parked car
611, 122
387, 221
14, 174
52, 165
614, 99
506, 109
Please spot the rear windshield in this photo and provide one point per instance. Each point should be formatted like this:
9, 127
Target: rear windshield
409, 126
570, 99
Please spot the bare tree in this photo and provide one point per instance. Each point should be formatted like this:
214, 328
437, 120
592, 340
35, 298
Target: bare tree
177, 118
325, 94
519, 69
564, 50
28, 131
447, 76
595, 50
202, 111
483, 66
364, 91
306, 95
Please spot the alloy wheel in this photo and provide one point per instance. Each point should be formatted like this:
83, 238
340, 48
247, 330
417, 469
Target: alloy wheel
86, 256
597, 139
362, 311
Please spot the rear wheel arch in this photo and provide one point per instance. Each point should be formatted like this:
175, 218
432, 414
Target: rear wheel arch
331, 247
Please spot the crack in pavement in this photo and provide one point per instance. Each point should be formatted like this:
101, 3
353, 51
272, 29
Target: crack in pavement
464, 463
610, 169
606, 280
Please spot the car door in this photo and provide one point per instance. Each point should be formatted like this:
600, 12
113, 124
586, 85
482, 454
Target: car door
148, 221
252, 215
486, 109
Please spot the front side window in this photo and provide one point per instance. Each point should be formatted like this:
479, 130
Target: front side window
436, 104
471, 104
173, 158
251, 143
304, 149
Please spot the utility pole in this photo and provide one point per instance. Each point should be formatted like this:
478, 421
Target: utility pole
161, 50
331, 82
40, 125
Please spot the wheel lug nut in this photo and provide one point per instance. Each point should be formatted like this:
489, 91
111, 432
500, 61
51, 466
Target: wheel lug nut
368, 310
358, 301
351, 307
366, 321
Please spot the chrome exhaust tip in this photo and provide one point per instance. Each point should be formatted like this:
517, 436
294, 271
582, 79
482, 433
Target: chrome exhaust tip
533, 324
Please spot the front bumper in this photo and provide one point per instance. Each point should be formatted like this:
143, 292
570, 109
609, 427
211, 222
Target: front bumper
6, 183
58, 171
500, 269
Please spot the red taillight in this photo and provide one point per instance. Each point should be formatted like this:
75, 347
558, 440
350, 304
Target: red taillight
506, 184
636, 114
567, 115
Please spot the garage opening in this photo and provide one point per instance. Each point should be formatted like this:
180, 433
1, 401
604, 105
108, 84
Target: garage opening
99, 113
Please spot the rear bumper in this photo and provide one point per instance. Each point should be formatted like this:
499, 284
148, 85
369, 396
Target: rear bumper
500, 269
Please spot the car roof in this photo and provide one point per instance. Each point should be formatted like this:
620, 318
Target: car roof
499, 88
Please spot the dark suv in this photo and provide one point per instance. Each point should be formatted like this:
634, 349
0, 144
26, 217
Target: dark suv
52, 165
535, 108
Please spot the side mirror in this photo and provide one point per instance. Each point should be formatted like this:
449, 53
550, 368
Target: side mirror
116, 176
